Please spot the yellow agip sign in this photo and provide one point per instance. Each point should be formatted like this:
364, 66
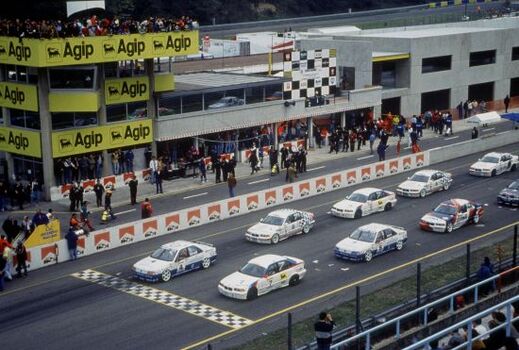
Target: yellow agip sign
44, 234
19, 96
20, 141
78, 141
97, 49
127, 90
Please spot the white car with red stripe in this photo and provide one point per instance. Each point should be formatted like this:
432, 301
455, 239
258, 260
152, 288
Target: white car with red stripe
262, 275
451, 215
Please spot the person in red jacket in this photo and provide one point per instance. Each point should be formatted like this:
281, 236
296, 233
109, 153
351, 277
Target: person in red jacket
146, 209
353, 137
4, 243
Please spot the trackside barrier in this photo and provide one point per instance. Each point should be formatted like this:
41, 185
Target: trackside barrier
467, 325
127, 233
422, 311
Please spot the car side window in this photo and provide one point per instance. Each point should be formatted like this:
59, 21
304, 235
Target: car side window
273, 269
283, 265
192, 250
380, 237
463, 209
438, 176
290, 219
297, 216
388, 233
381, 194
373, 196
182, 254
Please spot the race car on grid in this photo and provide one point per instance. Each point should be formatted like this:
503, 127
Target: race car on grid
279, 225
509, 195
452, 214
371, 240
363, 202
424, 182
262, 275
493, 164
173, 259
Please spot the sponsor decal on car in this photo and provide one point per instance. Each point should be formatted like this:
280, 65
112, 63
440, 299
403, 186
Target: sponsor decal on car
126, 234
172, 222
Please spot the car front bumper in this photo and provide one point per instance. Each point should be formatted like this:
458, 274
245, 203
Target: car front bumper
435, 227
508, 200
146, 277
251, 237
407, 193
232, 292
348, 255
343, 213
479, 172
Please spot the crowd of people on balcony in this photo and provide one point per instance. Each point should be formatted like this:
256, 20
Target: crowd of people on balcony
92, 26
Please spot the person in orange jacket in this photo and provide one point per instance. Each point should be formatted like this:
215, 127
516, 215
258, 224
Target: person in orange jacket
146, 209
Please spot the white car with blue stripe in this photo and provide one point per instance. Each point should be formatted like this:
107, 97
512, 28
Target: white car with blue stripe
173, 259
371, 240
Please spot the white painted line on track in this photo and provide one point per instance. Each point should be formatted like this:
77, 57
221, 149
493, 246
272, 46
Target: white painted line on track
125, 211
319, 167
488, 129
502, 132
196, 195
365, 157
451, 138
257, 181
408, 147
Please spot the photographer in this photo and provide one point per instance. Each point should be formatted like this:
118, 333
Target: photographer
323, 331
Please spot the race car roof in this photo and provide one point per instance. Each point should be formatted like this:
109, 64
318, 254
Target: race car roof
455, 202
374, 227
266, 260
283, 213
176, 244
427, 172
367, 190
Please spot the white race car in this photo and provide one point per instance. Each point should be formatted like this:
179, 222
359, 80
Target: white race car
371, 240
173, 259
424, 182
363, 202
279, 225
493, 164
262, 275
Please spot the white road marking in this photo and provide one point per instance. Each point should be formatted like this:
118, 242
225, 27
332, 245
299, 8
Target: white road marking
488, 129
257, 181
480, 225
330, 265
486, 204
365, 157
451, 138
125, 211
315, 261
196, 195
502, 132
408, 147
328, 212
317, 270
345, 269
317, 168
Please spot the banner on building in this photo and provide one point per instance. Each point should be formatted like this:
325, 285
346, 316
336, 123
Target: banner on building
84, 140
20, 141
19, 96
126, 90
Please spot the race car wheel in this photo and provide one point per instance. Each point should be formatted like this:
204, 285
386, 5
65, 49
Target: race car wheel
399, 245
493, 173
252, 293
275, 238
388, 207
368, 256
165, 276
448, 228
446, 186
206, 263
513, 167
422, 193
306, 229
358, 213
475, 219
294, 280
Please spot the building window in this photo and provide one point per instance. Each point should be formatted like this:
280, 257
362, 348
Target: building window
481, 58
169, 105
72, 78
28, 168
21, 74
515, 53
436, 100
73, 119
436, 64
25, 119
126, 111
192, 103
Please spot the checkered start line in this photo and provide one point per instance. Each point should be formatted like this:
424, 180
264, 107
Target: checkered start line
165, 298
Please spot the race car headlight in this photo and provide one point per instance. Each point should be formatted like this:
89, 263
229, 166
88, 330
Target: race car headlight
239, 289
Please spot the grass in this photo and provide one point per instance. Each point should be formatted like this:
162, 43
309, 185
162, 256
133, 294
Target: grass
394, 294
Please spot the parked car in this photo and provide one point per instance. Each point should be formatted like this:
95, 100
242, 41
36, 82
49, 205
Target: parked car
424, 182
228, 101
279, 225
509, 195
493, 164
451, 215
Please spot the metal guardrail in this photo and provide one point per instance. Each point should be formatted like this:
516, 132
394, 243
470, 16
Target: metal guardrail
467, 324
367, 335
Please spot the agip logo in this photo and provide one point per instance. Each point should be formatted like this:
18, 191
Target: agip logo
69, 50
126, 90
16, 50
14, 140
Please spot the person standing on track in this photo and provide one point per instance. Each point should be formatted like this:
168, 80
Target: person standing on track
132, 184
231, 183
98, 190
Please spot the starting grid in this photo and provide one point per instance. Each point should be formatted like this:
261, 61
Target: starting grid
164, 298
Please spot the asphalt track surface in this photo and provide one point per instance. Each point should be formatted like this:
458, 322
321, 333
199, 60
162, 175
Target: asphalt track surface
61, 311
171, 202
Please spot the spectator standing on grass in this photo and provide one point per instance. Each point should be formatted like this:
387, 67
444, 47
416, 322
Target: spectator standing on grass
231, 183
323, 331
98, 190
133, 184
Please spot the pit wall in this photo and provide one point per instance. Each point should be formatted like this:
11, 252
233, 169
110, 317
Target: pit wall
170, 223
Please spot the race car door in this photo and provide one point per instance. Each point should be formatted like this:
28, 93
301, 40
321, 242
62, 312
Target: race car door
273, 278
284, 273
379, 243
372, 203
463, 216
505, 163
390, 239
437, 180
196, 257
184, 261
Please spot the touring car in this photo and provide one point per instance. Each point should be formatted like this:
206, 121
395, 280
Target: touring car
451, 215
279, 225
173, 259
371, 240
493, 164
261, 275
363, 202
424, 182
509, 195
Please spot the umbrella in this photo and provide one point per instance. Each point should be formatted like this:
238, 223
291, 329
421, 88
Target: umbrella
484, 118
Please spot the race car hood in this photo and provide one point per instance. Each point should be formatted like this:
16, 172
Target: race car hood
509, 192
412, 185
239, 280
353, 245
436, 217
261, 228
150, 264
483, 165
346, 204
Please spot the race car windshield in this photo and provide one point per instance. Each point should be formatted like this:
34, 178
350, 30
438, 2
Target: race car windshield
164, 254
358, 197
445, 209
514, 185
419, 178
488, 159
273, 220
362, 235
253, 270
